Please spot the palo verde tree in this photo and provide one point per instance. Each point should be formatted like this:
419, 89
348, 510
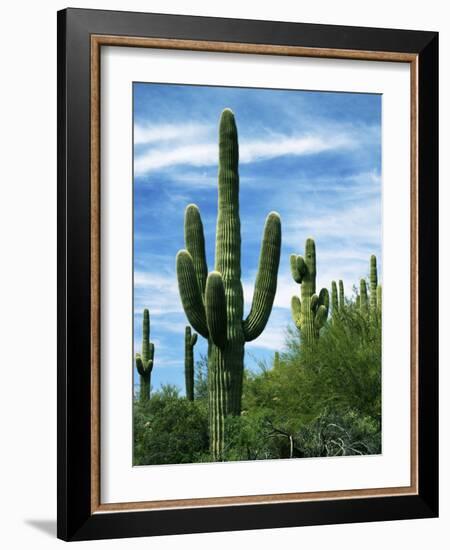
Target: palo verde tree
144, 361
214, 302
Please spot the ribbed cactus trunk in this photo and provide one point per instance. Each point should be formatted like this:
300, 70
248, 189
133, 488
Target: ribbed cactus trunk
189, 342
144, 361
311, 311
214, 303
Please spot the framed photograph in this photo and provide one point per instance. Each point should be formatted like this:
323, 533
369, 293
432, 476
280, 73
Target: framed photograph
247, 253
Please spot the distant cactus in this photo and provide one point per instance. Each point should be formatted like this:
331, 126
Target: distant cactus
144, 361
214, 303
311, 311
337, 301
373, 284
189, 342
363, 297
370, 304
276, 360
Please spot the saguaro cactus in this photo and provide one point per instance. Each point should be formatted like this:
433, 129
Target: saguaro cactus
370, 304
276, 360
363, 297
373, 284
311, 311
144, 361
214, 303
189, 342
337, 301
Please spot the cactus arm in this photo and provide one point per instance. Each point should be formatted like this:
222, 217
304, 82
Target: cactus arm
373, 283
190, 293
139, 365
297, 268
195, 244
296, 309
314, 302
215, 306
266, 279
363, 301
189, 342
320, 317
310, 262
151, 355
324, 299
145, 336
341, 295
334, 297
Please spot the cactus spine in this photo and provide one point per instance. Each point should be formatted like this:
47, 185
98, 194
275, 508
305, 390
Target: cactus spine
214, 303
311, 311
189, 342
144, 361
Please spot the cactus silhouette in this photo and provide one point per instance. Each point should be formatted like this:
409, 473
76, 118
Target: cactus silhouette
144, 361
214, 302
189, 342
311, 311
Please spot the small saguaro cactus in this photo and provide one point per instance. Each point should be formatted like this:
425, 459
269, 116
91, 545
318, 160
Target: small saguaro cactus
144, 360
311, 311
276, 360
189, 342
337, 301
370, 304
363, 297
214, 302
373, 284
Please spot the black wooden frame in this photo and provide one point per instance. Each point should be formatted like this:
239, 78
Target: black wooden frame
75, 521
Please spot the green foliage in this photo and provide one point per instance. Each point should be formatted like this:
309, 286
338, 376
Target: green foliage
214, 302
169, 429
321, 400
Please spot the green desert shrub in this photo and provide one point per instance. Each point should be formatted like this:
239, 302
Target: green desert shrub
169, 429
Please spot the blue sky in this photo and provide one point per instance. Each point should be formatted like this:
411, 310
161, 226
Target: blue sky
314, 157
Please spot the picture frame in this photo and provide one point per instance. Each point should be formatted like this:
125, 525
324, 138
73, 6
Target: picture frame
81, 36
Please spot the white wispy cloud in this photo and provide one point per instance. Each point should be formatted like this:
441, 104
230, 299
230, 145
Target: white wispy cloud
164, 132
156, 291
206, 154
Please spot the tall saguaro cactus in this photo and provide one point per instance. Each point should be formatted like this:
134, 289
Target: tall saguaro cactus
189, 342
144, 361
311, 311
214, 302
